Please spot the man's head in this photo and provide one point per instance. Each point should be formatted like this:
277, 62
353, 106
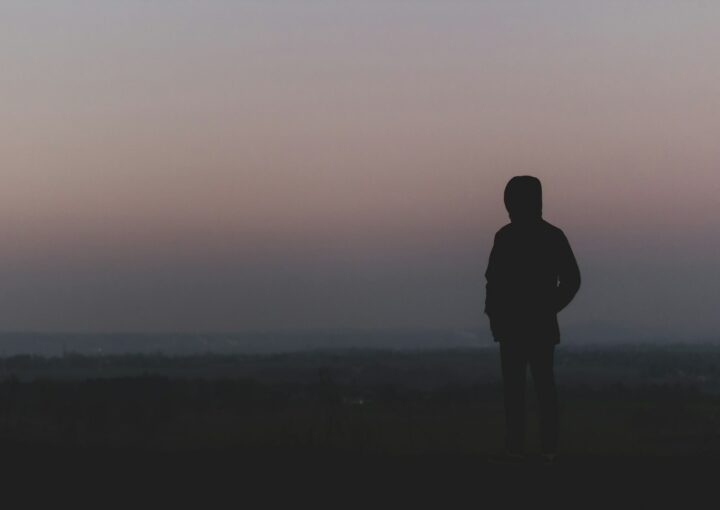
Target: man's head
523, 198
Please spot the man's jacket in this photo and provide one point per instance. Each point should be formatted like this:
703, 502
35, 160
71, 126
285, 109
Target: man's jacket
532, 274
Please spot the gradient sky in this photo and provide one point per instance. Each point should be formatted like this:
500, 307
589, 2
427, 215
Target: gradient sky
227, 165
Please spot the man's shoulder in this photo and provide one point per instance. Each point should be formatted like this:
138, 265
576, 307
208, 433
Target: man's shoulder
553, 230
503, 231
546, 227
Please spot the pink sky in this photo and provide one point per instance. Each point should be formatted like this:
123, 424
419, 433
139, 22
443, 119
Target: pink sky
327, 163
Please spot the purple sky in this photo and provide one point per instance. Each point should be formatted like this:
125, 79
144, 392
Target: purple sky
223, 165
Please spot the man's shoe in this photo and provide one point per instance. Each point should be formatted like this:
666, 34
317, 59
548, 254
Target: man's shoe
508, 458
549, 459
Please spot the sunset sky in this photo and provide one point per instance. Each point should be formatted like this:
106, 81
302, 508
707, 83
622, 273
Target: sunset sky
223, 165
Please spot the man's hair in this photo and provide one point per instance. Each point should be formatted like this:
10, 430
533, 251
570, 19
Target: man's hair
523, 197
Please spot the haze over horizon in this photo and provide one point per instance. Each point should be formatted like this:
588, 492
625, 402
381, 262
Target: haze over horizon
224, 166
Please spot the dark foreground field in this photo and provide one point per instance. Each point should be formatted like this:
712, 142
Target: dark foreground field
627, 401
354, 417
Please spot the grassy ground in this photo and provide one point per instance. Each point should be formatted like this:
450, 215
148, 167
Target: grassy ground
615, 404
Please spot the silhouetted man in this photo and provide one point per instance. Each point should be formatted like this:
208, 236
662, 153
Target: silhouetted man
531, 275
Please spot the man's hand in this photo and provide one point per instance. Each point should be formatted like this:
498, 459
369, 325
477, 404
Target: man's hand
497, 326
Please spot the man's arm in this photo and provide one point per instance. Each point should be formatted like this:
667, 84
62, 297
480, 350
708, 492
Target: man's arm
568, 275
494, 302
491, 274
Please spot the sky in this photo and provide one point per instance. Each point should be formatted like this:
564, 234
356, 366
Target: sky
210, 166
